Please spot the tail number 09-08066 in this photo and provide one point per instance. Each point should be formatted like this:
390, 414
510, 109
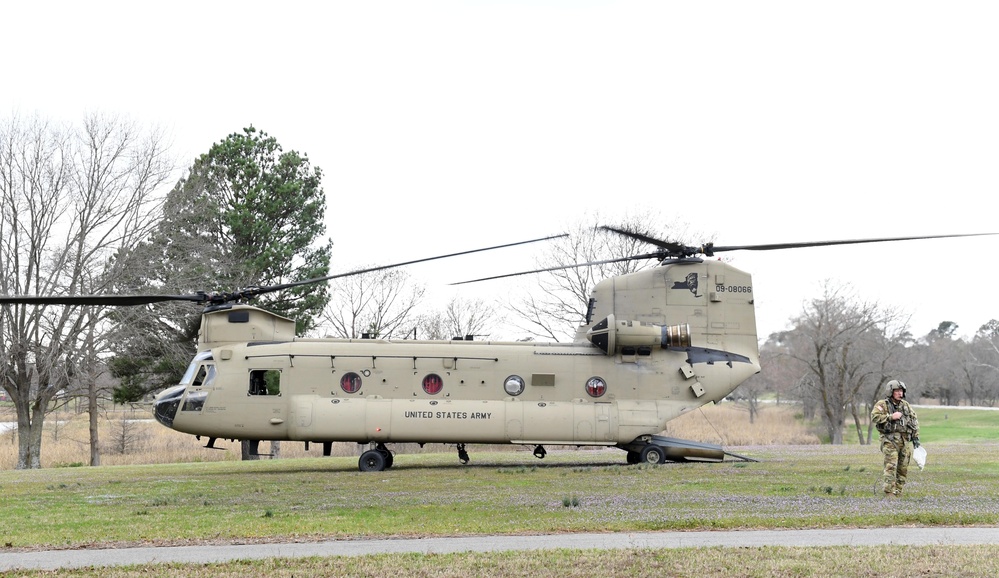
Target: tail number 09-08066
733, 289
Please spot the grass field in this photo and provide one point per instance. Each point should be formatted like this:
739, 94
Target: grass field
803, 485
959, 425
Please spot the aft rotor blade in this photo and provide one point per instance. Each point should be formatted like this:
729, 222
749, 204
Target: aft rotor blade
671, 250
261, 290
709, 249
671, 247
561, 267
775, 246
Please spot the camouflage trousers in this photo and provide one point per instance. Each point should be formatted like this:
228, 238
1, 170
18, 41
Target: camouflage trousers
897, 452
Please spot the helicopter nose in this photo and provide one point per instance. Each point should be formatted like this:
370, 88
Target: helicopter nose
166, 404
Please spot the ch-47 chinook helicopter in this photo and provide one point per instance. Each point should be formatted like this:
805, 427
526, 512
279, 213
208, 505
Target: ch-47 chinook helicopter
655, 344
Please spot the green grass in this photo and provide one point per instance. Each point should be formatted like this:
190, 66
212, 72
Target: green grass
501, 493
510, 493
958, 425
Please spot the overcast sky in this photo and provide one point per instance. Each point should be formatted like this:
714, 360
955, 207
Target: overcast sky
444, 126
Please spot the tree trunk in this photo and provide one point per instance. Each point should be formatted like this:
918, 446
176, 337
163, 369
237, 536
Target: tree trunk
857, 424
95, 448
30, 441
23, 439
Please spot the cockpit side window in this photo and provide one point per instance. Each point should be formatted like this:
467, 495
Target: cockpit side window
204, 376
196, 368
265, 382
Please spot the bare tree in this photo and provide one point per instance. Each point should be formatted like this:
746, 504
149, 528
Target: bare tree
377, 304
888, 356
846, 346
71, 197
459, 318
778, 375
556, 303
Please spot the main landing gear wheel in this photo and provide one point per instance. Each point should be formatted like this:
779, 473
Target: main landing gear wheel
376, 460
634, 458
652, 454
371, 461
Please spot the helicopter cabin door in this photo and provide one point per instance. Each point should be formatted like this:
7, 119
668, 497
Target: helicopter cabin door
265, 412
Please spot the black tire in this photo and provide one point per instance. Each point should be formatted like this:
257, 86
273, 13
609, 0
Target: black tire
634, 458
371, 461
653, 454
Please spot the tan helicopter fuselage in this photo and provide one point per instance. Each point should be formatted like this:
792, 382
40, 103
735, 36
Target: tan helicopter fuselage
657, 343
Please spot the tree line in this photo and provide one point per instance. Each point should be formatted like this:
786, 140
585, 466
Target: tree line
840, 351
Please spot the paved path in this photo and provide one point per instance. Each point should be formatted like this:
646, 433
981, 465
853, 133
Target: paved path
51, 560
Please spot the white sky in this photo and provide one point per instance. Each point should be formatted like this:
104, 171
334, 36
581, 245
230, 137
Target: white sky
444, 126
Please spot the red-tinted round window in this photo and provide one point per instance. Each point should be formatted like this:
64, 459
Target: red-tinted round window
596, 386
433, 384
350, 382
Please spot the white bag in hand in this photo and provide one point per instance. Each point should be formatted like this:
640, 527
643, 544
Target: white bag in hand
919, 454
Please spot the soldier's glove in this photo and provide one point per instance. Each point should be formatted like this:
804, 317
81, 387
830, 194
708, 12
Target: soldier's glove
915, 442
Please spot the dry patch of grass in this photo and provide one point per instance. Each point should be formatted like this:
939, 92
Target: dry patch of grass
129, 437
728, 424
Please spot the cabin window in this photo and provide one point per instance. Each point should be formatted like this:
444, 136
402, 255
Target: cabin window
514, 385
265, 382
433, 384
596, 386
350, 382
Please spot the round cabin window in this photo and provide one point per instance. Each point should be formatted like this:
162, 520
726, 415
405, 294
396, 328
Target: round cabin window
514, 385
433, 384
596, 386
350, 382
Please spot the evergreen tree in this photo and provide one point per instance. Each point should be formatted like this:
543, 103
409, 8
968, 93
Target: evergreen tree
247, 214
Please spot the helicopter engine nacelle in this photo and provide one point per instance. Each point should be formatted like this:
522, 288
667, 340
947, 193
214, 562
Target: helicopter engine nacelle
610, 335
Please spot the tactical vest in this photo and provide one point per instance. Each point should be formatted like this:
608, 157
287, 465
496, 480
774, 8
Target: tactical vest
895, 426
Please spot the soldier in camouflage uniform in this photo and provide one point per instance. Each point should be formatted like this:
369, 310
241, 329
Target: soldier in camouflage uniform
899, 429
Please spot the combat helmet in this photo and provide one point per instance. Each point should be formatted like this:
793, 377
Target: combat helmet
893, 385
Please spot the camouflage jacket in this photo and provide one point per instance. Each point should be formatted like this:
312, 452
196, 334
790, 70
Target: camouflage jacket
881, 416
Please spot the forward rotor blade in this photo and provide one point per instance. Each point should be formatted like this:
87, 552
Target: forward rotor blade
241, 295
118, 300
